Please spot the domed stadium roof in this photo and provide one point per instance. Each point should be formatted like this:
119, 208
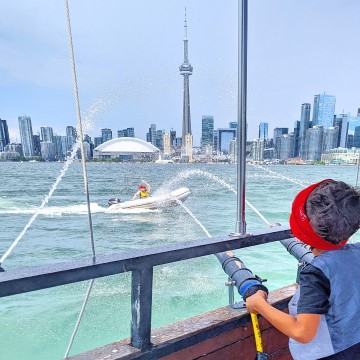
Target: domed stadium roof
125, 146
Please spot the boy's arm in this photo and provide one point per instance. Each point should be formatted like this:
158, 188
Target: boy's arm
137, 193
148, 188
302, 329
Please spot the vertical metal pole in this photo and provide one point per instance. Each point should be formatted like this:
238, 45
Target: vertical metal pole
241, 133
141, 302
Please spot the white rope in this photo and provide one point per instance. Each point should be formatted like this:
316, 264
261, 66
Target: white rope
79, 318
83, 161
80, 134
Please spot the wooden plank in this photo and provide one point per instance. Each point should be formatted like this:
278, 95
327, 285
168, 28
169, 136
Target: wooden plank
221, 337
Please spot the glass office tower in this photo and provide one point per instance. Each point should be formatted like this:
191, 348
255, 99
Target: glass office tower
304, 126
4, 134
263, 131
324, 110
26, 135
207, 130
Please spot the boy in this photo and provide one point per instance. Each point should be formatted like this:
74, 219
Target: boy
144, 190
323, 320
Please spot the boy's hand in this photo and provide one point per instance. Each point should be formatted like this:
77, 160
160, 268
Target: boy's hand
253, 301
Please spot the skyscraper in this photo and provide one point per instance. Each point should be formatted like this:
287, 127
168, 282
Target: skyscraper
257, 150
207, 130
60, 147
234, 125
71, 135
26, 135
324, 110
186, 70
4, 134
151, 135
331, 137
159, 139
304, 126
97, 141
286, 146
166, 143
37, 146
356, 142
353, 122
342, 123
172, 137
314, 143
296, 138
46, 133
263, 131
224, 137
277, 133
48, 151
106, 135
128, 132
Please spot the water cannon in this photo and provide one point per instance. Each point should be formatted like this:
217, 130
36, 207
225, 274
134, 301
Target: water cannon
300, 251
241, 277
247, 284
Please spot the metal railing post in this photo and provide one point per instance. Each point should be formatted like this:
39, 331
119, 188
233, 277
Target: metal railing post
141, 302
241, 130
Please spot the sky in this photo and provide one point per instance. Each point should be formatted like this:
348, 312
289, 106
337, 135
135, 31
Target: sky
128, 53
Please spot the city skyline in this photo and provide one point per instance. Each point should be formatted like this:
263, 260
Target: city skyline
307, 114
327, 132
133, 80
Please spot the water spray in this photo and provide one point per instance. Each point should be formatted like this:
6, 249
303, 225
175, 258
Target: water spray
239, 275
241, 278
43, 203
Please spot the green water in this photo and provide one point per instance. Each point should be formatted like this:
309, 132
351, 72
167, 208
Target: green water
38, 325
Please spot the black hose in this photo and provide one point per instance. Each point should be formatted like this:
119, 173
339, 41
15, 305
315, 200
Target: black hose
245, 281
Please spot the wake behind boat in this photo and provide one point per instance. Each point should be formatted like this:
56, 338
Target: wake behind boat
152, 202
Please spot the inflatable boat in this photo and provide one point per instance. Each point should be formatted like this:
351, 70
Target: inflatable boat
151, 202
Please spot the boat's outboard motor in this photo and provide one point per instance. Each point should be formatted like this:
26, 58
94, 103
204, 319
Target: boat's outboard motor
113, 201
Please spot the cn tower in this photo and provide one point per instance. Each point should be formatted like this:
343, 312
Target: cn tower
186, 70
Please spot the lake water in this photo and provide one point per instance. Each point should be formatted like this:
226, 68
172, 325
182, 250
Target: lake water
38, 325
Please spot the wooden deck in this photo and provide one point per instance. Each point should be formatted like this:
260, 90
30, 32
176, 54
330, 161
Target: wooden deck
224, 334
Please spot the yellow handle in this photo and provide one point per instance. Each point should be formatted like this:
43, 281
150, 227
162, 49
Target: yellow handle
257, 332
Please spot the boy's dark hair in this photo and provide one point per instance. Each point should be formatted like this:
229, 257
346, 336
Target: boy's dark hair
333, 209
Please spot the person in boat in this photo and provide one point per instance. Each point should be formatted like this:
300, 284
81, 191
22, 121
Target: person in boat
144, 190
323, 314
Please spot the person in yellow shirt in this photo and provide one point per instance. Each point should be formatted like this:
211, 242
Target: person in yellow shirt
143, 192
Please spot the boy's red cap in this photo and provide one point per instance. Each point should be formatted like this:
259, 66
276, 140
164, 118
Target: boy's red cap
300, 223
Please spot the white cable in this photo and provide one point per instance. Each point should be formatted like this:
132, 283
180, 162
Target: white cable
80, 135
83, 161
